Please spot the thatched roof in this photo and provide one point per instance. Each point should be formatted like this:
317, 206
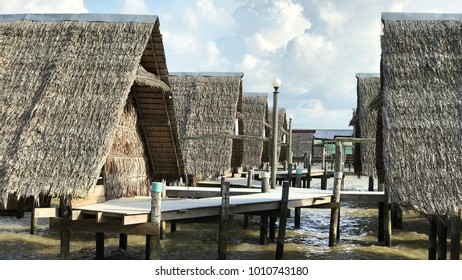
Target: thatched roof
206, 104
282, 130
368, 87
255, 107
422, 110
64, 83
302, 142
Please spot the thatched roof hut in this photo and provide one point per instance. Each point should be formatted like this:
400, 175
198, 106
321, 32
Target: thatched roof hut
282, 134
302, 143
422, 110
365, 124
207, 106
82, 93
255, 110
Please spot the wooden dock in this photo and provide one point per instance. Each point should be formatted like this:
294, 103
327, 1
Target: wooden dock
133, 215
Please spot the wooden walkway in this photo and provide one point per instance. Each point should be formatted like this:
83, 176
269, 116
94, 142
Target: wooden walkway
137, 210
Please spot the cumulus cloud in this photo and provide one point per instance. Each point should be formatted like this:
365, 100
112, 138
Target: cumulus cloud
134, 7
315, 47
42, 6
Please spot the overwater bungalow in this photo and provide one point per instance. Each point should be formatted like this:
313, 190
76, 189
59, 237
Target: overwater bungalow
302, 143
86, 108
208, 107
422, 124
365, 124
255, 111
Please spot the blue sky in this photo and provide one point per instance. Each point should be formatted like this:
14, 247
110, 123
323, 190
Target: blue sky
314, 46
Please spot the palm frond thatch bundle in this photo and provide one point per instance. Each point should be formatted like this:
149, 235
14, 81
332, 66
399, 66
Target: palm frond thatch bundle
365, 126
255, 108
206, 104
302, 142
282, 130
422, 110
64, 83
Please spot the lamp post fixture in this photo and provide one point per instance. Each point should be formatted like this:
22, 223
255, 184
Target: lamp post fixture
274, 137
289, 152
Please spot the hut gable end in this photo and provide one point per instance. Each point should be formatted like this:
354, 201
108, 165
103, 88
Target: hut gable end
64, 83
422, 110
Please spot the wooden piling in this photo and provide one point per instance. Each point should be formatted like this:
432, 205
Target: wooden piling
371, 183
264, 229
99, 237
282, 221
33, 220
387, 219
223, 227
250, 178
455, 238
432, 236
297, 217
335, 211
298, 178
381, 216
153, 241
123, 241
65, 240
172, 226
442, 235
265, 183
264, 177
397, 216
272, 227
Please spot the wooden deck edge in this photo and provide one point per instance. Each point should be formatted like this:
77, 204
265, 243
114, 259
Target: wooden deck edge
48, 212
93, 226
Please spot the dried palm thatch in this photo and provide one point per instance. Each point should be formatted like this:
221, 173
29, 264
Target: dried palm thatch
254, 106
302, 142
422, 110
238, 144
365, 126
206, 104
64, 83
282, 133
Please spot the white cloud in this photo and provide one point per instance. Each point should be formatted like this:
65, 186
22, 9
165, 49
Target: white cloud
312, 113
215, 61
42, 6
134, 7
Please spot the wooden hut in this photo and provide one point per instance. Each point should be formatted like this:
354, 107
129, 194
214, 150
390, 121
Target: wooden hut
85, 102
255, 111
302, 143
422, 105
208, 106
365, 124
282, 136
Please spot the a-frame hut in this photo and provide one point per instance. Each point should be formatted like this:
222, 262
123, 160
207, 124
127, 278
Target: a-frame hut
365, 124
302, 143
422, 105
255, 111
84, 100
208, 109
282, 136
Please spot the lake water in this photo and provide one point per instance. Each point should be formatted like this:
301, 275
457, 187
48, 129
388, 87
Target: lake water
358, 238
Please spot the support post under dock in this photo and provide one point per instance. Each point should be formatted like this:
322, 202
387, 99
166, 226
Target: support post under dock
282, 221
224, 219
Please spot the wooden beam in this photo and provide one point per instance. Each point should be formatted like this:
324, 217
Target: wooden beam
49, 212
226, 136
135, 219
153, 122
93, 226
